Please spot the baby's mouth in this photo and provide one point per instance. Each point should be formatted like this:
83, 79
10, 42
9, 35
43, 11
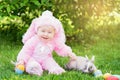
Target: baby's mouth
45, 37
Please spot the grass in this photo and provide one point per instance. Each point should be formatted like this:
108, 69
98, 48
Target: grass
106, 52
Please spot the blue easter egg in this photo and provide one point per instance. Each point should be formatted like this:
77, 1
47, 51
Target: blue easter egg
18, 71
98, 73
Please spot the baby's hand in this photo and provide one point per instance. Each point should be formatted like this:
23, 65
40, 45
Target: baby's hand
72, 56
20, 62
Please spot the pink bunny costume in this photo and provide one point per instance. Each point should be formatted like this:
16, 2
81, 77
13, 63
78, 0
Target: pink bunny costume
36, 54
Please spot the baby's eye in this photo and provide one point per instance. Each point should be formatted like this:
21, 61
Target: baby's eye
43, 30
49, 32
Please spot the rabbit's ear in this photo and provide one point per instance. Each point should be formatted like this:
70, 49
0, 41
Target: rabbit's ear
86, 57
14, 63
93, 58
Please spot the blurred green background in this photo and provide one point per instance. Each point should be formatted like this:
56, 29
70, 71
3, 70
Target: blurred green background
84, 21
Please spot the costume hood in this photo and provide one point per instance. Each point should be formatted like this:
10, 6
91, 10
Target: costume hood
46, 19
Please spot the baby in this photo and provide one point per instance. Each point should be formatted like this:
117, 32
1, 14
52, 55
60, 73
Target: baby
44, 35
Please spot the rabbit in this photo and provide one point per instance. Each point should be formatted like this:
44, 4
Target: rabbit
82, 64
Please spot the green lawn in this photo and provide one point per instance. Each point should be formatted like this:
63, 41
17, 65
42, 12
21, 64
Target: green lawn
106, 52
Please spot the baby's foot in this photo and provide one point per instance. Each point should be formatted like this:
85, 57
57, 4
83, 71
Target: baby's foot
57, 71
35, 71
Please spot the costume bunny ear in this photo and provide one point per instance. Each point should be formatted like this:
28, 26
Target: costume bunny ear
60, 35
30, 32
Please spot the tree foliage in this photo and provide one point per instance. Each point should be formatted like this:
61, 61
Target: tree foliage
89, 17
16, 15
82, 19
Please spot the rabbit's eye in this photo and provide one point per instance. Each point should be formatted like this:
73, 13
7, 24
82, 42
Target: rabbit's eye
85, 67
90, 68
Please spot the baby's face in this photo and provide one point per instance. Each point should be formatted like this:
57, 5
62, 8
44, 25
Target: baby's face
46, 33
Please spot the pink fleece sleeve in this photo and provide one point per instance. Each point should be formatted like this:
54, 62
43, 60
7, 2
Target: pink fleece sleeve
26, 51
63, 50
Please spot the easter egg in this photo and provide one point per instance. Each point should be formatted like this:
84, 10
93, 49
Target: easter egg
21, 67
97, 73
18, 71
118, 76
106, 75
112, 78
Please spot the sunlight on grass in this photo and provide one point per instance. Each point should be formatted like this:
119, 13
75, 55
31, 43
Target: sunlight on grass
106, 52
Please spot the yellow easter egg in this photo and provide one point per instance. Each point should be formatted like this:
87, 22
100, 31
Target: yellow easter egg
21, 67
106, 75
